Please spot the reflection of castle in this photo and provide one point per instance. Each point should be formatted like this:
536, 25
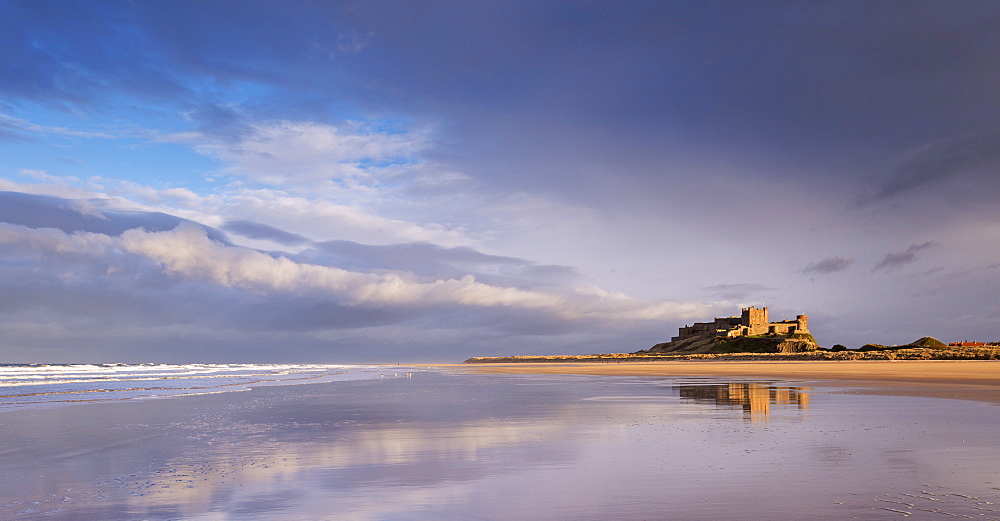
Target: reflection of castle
753, 321
753, 397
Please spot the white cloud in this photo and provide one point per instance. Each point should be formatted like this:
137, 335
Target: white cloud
46, 241
325, 220
302, 152
316, 218
187, 253
42, 175
86, 209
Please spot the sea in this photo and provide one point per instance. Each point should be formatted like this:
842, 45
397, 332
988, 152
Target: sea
40, 385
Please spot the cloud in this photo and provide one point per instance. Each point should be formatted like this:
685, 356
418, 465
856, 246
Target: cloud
323, 219
736, 291
28, 126
81, 215
893, 261
828, 265
187, 253
276, 152
254, 230
975, 153
317, 218
47, 241
432, 261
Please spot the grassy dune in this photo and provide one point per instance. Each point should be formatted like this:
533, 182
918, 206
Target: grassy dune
887, 353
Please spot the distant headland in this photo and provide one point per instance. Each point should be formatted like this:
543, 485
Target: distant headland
752, 336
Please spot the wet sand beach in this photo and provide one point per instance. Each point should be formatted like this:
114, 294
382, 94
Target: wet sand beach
516, 443
962, 379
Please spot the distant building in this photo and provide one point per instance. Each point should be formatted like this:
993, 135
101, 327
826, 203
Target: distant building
966, 343
752, 322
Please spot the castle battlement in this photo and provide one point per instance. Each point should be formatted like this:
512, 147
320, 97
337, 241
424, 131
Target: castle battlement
752, 321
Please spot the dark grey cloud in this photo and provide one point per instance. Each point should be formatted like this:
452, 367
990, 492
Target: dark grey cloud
254, 230
977, 154
896, 260
829, 265
669, 83
569, 98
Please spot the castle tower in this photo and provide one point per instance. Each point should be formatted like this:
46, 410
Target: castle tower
803, 324
754, 316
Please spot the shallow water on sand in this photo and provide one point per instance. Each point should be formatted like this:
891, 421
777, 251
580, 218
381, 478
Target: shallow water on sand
452, 445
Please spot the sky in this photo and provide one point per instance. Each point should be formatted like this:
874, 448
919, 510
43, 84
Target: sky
426, 181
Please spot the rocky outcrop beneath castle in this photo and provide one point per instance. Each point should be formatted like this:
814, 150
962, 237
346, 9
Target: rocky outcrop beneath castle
711, 344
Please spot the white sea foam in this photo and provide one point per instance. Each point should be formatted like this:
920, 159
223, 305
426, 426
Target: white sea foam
46, 384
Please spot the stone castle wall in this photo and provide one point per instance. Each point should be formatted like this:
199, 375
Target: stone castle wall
752, 321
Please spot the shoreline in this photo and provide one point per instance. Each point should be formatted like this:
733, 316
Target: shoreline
977, 380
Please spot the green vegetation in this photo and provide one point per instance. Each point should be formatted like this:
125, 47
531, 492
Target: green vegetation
928, 341
709, 344
803, 336
908, 353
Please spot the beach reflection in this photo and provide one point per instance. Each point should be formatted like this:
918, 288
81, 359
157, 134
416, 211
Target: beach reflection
498, 448
755, 398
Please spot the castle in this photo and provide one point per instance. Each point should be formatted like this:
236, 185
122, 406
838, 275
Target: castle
752, 322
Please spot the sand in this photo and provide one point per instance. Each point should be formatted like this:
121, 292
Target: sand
972, 380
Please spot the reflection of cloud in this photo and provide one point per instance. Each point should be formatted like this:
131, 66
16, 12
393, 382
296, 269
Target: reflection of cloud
197, 483
896, 260
828, 265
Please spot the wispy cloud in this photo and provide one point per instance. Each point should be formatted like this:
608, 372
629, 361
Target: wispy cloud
828, 265
893, 261
255, 230
28, 126
977, 153
351, 154
736, 291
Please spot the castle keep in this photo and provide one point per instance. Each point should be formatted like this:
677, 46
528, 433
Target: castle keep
752, 322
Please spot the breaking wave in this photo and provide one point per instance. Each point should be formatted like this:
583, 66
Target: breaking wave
26, 385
